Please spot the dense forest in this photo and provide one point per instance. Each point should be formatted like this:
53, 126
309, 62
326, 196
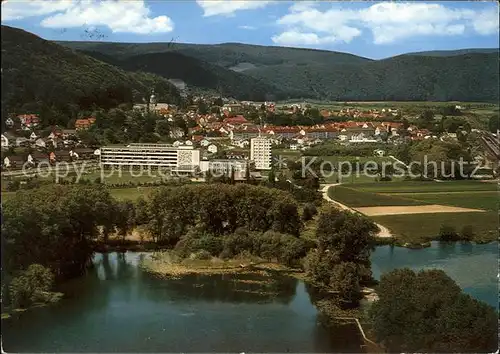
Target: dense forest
199, 74
37, 74
467, 75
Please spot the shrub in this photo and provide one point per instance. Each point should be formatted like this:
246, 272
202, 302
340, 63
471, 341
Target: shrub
237, 242
467, 233
193, 243
31, 286
13, 186
202, 255
292, 250
447, 233
309, 211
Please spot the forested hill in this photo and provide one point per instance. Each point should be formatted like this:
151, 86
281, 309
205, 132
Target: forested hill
199, 74
465, 75
449, 53
37, 74
39, 71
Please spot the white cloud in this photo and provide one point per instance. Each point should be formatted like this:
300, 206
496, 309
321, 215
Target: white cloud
294, 37
251, 28
228, 7
486, 22
17, 10
117, 15
388, 22
302, 6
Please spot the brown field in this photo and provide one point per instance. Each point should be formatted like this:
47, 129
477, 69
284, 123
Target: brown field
413, 209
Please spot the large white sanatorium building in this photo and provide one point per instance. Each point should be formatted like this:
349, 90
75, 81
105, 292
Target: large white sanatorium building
177, 158
260, 153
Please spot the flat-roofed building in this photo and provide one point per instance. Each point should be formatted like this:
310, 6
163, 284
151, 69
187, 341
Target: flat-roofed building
260, 153
182, 158
224, 166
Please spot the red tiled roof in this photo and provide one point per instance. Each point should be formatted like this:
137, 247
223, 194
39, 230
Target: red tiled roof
235, 120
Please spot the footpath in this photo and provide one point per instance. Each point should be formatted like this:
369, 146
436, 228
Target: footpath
384, 231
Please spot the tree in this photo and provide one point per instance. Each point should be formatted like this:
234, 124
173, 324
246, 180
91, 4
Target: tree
467, 233
447, 233
346, 280
271, 177
218, 102
426, 312
162, 127
494, 124
309, 211
31, 286
202, 107
124, 213
344, 245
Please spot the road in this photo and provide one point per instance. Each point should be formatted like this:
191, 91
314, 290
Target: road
384, 231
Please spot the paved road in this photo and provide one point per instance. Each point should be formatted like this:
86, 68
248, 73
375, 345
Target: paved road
384, 231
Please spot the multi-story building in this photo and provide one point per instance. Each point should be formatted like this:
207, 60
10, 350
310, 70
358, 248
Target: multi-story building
182, 159
224, 167
260, 153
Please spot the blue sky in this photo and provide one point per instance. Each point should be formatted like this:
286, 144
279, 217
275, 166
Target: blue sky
370, 29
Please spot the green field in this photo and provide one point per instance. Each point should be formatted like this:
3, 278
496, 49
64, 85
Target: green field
423, 187
423, 227
132, 193
356, 198
416, 228
471, 199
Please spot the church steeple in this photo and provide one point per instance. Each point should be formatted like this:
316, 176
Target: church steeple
152, 98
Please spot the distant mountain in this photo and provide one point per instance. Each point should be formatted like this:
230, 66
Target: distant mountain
253, 72
465, 75
196, 73
226, 54
36, 73
450, 53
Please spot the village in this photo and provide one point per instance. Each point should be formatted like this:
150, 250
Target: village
222, 129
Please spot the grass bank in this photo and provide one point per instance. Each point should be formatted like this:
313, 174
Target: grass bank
168, 265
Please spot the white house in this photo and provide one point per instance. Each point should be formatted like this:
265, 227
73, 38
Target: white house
21, 141
294, 146
176, 133
73, 155
177, 143
212, 148
5, 142
241, 143
6, 162
188, 142
379, 152
40, 143
9, 122
33, 136
205, 142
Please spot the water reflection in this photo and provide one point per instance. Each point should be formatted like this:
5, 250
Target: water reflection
473, 267
117, 307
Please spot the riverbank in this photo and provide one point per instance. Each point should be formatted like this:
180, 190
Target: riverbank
167, 266
51, 298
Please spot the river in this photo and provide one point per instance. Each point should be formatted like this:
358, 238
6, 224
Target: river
117, 307
473, 267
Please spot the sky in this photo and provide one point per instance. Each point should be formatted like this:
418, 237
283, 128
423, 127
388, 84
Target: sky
370, 29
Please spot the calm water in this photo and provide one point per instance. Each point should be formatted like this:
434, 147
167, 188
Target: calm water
473, 267
119, 308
